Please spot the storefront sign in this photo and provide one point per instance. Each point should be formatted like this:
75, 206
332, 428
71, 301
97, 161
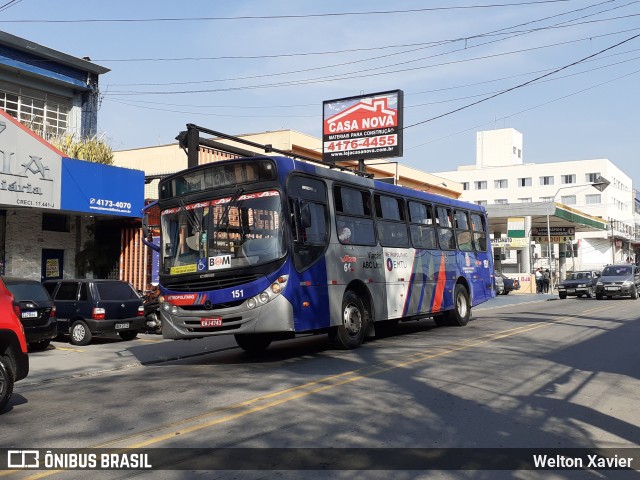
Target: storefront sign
510, 242
558, 234
101, 189
29, 167
35, 174
361, 127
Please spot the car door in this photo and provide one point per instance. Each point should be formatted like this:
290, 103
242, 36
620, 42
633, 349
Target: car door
65, 300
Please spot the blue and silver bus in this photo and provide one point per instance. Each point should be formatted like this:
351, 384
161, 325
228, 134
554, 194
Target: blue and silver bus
267, 247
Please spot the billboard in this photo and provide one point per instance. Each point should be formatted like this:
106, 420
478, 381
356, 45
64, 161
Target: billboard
362, 127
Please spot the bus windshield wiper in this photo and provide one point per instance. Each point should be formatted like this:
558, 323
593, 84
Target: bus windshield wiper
191, 217
227, 208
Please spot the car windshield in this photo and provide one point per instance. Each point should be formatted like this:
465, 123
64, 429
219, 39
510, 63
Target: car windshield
579, 276
224, 233
616, 271
23, 292
116, 291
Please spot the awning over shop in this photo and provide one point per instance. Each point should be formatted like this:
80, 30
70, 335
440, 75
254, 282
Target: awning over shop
559, 215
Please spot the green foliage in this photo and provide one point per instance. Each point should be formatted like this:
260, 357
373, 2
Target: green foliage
92, 149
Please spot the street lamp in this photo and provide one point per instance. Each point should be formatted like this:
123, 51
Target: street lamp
600, 183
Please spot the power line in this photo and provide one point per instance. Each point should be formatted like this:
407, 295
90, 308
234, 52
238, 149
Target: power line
424, 46
383, 47
135, 103
278, 17
9, 5
352, 75
525, 110
523, 84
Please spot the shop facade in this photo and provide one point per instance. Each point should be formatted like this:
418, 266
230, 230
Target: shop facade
61, 217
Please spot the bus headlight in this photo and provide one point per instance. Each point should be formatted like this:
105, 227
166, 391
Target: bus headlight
275, 289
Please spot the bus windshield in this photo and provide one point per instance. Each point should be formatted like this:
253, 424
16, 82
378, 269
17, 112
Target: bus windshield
224, 233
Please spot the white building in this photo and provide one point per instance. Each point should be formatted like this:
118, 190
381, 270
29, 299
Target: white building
501, 177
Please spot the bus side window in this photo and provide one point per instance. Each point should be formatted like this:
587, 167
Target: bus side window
479, 232
463, 232
353, 212
445, 230
392, 229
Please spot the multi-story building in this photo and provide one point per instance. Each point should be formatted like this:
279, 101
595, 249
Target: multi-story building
59, 217
501, 177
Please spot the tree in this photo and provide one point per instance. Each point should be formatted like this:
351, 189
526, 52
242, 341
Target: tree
92, 149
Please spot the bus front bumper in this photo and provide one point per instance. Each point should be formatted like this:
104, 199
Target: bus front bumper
275, 316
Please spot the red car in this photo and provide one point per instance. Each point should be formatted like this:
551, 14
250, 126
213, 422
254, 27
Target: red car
14, 360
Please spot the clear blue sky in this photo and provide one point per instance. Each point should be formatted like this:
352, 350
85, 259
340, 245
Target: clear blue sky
443, 59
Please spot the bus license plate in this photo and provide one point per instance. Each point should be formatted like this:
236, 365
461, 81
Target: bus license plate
211, 322
29, 314
120, 326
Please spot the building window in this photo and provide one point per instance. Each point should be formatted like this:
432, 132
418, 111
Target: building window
519, 153
502, 201
42, 112
54, 222
525, 200
569, 178
524, 182
481, 185
481, 202
591, 177
501, 183
594, 199
514, 150
465, 185
568, 199
546, 199
546, 180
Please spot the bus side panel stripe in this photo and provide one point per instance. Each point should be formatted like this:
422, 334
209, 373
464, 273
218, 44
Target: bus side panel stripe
442, 278
407, 301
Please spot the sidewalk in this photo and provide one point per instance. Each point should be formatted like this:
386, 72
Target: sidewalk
61, 360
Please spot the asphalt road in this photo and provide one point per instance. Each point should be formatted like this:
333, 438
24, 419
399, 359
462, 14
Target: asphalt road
529, 371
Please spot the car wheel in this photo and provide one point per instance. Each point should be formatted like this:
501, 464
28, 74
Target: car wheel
253, 343
562, 295
80, 333
459, 316
128, 335
590, 293
506, 292
598, 296
355, 317
39, 346
6, 381
634, 293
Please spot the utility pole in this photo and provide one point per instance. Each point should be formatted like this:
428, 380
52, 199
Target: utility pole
613, 244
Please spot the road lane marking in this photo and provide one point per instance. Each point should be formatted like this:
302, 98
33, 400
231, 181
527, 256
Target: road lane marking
277, 398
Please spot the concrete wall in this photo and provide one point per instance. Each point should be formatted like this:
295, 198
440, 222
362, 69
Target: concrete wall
25, 241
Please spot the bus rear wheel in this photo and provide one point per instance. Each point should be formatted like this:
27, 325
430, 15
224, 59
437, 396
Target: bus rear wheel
459, 316
254, 343
355, 317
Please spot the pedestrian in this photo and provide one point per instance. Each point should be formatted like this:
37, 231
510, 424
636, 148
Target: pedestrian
539, 280
546, 278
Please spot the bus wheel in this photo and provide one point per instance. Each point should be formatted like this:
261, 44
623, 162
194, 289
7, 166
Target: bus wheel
350, 334
459, 316
253, 343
